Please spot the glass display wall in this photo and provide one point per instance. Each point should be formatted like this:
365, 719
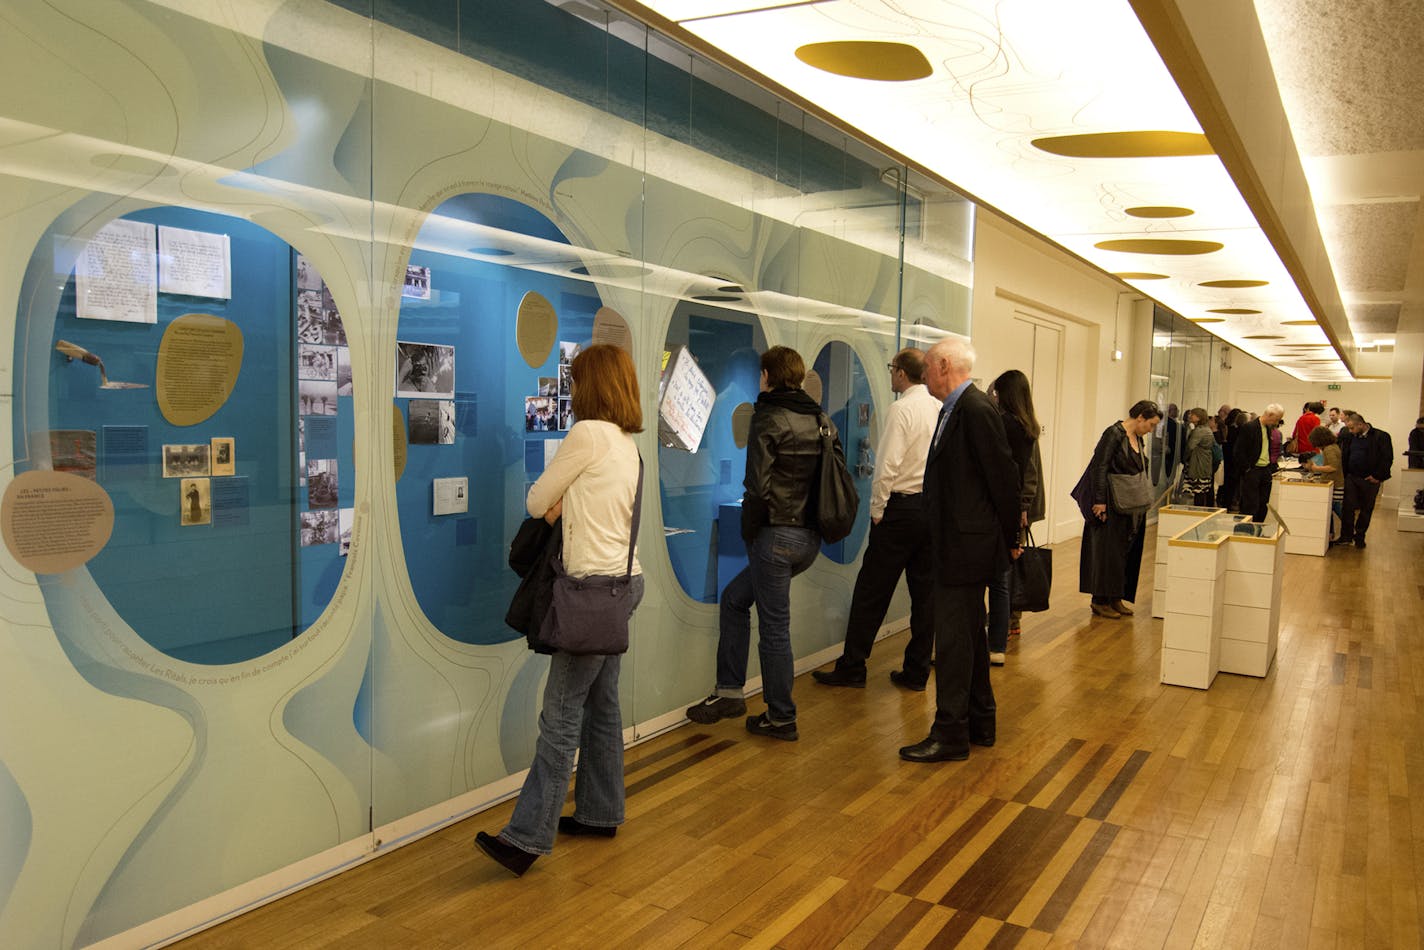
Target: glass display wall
291, 292
1186, 375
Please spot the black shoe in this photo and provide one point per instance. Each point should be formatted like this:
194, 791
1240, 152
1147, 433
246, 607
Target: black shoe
1342, 540
933, 750
715, 708
514, 860
1359, 542
984, 737
836, 676
762, 726
569, 825
903, 680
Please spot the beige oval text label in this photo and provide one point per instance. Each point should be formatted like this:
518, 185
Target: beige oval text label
742, 424
813, 385
198, 362
55, 521
398, 440
537, 328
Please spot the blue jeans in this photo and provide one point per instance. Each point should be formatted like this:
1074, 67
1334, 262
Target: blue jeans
580, 715
777, 555
999, 611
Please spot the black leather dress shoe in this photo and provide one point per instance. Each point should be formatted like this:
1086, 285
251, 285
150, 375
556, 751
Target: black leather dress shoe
836, 676
985, 739
903, 680
569, 825
514, 860
933, 750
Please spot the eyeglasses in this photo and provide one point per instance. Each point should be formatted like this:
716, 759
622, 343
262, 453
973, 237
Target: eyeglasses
891, 367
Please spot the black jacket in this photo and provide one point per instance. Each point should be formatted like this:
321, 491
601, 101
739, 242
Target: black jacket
532, 554
1247, 451
783, 462
1379, 453
972, 494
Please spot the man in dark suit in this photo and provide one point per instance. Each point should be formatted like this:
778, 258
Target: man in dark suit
1366, 454
972, 508
1253, 461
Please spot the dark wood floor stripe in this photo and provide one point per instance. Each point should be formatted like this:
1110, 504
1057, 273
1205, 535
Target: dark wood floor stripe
996, 882
1007, 938
956, 842
1046, 774
701, 755
1072, 884
1337, 669
650, 758
954, 931
1109, 798
1367, 672
1022, 869
1074, 788
904, 922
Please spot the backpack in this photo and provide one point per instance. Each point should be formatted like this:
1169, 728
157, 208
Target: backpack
837, 501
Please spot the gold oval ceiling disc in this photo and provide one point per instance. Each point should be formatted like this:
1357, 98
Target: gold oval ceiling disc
1297, 323
1160, 211
1237, 310
1126, 145
1139, 275
867, 59
1207, 319
536, 328
1263, 336
1233, 284
1160, 246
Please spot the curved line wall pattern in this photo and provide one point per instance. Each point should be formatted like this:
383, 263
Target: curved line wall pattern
221, 692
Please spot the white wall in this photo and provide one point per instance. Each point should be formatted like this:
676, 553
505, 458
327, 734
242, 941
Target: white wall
1015, 271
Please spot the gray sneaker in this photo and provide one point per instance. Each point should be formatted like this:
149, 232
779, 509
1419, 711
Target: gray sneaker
715, 708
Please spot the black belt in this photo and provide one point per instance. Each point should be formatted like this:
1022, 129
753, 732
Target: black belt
904, 494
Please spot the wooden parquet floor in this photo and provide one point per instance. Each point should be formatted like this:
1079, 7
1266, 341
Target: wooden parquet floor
1113, 812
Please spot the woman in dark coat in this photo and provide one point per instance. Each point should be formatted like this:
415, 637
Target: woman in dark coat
1112, 540
1013, 396
1199, 471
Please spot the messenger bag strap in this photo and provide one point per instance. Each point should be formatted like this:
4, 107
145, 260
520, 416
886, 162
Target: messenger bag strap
637, 517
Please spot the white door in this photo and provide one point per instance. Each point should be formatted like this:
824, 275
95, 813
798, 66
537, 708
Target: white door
1041, 343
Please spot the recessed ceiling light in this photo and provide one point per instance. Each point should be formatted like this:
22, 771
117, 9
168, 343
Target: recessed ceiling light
1126, 145
1159, 246
1237, 310
867, 59
1139, 275
1160, 211
1233, 284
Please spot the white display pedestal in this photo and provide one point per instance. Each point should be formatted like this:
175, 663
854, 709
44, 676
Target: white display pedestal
1172, 520
1223, 599
1304, 505
1410, 481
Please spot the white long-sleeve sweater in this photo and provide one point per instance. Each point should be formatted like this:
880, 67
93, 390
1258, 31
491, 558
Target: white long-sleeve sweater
595, 472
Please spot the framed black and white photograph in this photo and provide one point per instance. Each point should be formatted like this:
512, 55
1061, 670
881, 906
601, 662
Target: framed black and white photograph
424, 423
566, 381
548, 385
223, 457
447, 422
346, 517
333, 332
567, 352
425, 369
181, 461
196, 499
316, 362
321, 483
566, 415
319, 527
417, 283
343, 371
311, 320
307, 276
541, 414
316, 397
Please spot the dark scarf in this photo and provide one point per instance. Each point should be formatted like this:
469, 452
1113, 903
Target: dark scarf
792, 400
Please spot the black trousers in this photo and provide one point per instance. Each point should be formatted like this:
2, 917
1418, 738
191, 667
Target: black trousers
1256, 491
964, 698
1359, 507
898, 544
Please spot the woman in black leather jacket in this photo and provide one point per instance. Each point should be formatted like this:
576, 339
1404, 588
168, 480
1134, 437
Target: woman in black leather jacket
779, 526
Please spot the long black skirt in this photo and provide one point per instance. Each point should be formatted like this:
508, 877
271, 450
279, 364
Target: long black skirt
1111, 557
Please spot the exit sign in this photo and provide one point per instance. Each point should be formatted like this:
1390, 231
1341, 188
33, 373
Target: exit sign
1333, 386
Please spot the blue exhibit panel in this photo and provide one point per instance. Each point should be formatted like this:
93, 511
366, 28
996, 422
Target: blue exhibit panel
213, 593
457, 563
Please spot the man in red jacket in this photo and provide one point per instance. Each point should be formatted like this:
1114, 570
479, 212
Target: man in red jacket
1306, 424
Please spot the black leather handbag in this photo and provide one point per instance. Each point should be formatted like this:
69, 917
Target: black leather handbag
837, 501
589, 615
1032, 579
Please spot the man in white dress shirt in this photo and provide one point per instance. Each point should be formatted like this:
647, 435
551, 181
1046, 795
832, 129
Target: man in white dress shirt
899, 537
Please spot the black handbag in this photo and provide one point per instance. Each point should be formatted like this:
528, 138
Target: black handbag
1032, 579
837, 501
589, 615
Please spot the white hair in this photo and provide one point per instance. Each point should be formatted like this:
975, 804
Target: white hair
1274, 408
957, 351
